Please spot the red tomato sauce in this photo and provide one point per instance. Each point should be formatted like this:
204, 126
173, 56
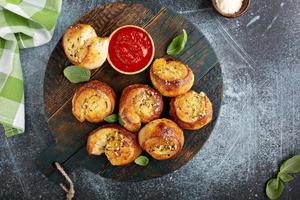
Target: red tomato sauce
130, 49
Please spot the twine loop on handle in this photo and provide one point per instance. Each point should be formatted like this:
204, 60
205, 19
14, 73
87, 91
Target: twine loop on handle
70, 192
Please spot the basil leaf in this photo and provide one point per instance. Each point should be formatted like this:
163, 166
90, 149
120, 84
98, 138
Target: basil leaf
120, 120
177, 44
111, 118
142, 161
77, 74
285, 177
274, 188
291, 165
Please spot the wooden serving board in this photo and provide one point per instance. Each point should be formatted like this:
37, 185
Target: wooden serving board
70, 135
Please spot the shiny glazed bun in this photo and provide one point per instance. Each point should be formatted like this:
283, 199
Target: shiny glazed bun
119, 145
191, 110
161, 138
83, 47
171, 77
139, 104
93, 101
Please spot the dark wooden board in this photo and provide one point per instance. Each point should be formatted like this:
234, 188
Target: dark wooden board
70, 135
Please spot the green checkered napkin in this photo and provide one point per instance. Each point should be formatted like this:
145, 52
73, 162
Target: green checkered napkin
23, 24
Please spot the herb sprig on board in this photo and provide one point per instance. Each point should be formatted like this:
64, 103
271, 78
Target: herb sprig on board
177, 44
275, 186
142, 161
111, 118
114, 118
77, 74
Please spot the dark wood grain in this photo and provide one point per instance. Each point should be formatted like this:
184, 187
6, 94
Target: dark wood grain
70, 135
104, 20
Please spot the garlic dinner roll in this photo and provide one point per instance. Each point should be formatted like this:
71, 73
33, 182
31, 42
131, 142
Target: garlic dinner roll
119, 145
139, 104
83, 47
191, 110
161, 138
93, 101
171, 77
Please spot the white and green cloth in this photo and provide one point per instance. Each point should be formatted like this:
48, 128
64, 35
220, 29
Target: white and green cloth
23, 24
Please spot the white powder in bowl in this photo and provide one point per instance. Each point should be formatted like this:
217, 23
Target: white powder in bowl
229, 6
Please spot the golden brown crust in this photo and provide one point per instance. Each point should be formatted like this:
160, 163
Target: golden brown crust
161, 138
191, 110
93, 101
139, 104
171, 77
83, 47
119, 145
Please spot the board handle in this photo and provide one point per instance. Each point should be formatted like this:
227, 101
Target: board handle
57, 153
70, 157
70, 190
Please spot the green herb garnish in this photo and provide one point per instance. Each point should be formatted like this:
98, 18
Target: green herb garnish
285, 177
142, 161
77, 74
120, 120
111, 118
177, 44
291, 165
275, 186
114, 118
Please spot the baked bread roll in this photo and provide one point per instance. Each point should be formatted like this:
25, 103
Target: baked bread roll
161, 138
119, 145
191, 110
93, 102
83, 47
171, 77
139, 104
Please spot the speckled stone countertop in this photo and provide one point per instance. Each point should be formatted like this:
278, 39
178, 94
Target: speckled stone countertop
258, 125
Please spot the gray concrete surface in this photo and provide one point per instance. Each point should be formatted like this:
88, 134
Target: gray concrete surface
258, 125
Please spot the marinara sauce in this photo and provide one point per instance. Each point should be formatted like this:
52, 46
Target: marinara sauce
130, 49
